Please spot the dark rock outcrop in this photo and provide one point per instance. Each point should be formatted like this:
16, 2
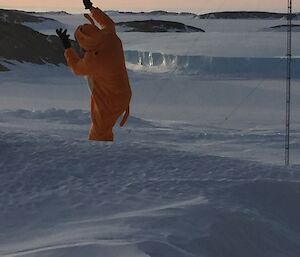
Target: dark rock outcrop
285, 26
3, 68
51, 13
282, 28
157, 26
245, 15
20, 43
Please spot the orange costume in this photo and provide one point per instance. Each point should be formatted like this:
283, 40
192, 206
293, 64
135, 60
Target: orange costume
104, 66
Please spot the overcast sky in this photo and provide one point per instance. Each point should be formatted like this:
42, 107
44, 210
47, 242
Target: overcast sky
196, 6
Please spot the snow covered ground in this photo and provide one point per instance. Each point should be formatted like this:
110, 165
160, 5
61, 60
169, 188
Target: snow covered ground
197, 171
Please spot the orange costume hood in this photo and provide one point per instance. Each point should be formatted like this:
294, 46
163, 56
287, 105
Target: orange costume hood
88, 37
104, 66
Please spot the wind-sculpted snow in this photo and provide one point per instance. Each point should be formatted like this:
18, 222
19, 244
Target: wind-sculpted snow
51, 115
75, 117
209, 65
145, 195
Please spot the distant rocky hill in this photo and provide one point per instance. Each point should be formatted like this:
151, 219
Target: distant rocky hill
21, 16
282, 28
221, 15
14, 16
154, 26
245, 15
51, 13
160, 12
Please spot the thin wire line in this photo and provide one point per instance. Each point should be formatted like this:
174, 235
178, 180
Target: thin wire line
160, 89
244, 100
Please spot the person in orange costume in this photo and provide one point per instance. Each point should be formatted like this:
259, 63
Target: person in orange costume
104, 66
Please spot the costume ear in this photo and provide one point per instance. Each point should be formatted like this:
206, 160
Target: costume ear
89, 18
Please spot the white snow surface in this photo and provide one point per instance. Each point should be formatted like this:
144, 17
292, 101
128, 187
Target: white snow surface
197, 171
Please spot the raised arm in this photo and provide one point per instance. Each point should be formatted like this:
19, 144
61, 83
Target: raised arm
103, 19
78, 65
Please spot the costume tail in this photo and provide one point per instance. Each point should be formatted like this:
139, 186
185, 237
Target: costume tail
125, 117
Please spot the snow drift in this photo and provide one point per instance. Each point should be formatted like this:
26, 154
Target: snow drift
63, 195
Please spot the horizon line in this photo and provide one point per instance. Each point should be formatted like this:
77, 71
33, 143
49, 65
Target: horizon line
148, 11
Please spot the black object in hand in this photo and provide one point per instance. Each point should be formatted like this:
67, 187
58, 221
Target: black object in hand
64, 38
87, 4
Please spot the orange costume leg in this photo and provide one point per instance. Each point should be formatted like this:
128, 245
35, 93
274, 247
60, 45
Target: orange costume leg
102, 123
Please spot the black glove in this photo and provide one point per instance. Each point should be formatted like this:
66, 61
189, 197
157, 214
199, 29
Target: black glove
87, 4
64, 38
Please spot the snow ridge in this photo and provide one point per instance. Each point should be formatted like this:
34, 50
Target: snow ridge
210, 65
